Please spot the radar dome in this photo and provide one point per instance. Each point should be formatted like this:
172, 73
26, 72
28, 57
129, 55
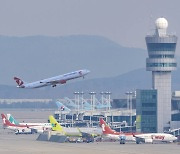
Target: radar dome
161, 23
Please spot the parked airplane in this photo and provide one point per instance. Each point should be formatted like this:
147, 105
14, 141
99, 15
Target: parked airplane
24, 128
99, 105
57, 127
53, 81
62, 107
112, 134
75, 134
39, 127
72, 105
18, 129
154, 137
144, 138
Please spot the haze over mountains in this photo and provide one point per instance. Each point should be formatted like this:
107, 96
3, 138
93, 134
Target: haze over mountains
37, 57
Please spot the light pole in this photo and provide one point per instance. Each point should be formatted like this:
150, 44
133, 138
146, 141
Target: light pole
77, 102
92, 104
108, 98
92, 100
102, 98
82, 98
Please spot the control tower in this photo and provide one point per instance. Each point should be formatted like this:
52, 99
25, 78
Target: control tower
161, 51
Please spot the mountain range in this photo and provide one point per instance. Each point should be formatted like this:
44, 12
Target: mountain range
114, 68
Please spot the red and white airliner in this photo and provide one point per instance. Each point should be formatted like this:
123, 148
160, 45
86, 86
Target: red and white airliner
155, 138
53, 81
112, 134
25, 128
137, 137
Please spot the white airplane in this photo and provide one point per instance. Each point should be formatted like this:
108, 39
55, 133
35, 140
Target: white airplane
53, 81
24, 128
139, 138
155, 137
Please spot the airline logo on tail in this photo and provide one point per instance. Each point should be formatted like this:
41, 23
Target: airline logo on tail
105, 128
12, 120
18, 81
6, 122
55, 125
62, 107
3, 119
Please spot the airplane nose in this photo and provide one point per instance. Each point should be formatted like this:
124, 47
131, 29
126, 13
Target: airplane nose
175, 138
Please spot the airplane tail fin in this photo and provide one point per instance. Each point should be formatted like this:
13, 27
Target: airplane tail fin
62, 107
19, 81
55, 125
70, 102
12, 119
105, 128
5, 121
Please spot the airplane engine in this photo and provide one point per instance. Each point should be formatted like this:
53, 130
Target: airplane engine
142, 140
62, 81
23, 131
148, 140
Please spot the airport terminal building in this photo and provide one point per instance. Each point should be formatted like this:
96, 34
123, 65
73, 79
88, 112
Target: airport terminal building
146, 111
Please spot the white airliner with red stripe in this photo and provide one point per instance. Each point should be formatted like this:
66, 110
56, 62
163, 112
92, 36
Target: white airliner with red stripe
53, 81
139, 138
25, 128
112, 134
154, 138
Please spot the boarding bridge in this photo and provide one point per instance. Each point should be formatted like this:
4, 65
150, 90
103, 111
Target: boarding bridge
175, 132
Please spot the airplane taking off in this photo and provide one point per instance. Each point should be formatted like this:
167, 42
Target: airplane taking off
53, 81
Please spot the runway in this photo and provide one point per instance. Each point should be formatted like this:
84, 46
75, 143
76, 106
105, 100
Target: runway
27, 144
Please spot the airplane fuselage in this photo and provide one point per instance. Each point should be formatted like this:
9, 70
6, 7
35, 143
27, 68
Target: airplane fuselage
156, 137
53, 81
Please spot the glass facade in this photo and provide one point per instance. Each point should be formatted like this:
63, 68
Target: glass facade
161, 65
161, 46
146, 111
161, 56
175, 117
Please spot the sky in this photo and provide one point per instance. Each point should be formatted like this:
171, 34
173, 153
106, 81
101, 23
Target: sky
124, 21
